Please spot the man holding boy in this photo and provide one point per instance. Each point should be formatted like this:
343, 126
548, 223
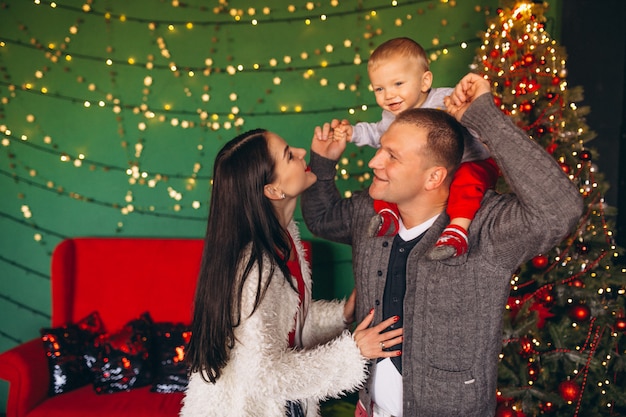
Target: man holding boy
401, 79
451, 310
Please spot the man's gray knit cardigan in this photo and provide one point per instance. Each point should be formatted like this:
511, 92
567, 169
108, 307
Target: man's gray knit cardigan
453, 309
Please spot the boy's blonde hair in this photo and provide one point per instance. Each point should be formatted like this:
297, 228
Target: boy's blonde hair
404, 47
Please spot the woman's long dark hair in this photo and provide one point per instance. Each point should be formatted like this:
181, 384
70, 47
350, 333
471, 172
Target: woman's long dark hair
239, 215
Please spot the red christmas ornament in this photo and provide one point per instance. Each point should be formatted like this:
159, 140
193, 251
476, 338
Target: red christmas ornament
576, 283
526, 107
546, 407
494, 53
533, 86
526, 347
546, 296
565, 167
585, 156
582, 248
556, 80
551, 148
533, 371
497, 100
620, 324
540, 261
529, 59
569, 390
514, 304
580, 313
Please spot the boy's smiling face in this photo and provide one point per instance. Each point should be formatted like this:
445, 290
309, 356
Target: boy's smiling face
400, 83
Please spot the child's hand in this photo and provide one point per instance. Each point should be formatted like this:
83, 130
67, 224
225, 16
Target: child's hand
335, 130
466, 91
344, 129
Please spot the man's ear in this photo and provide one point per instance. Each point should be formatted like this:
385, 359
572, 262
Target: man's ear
436, 177
427, 81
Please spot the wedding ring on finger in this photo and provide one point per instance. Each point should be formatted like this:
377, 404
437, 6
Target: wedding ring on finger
382, 345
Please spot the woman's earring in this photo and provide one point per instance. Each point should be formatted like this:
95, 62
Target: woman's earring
283, 196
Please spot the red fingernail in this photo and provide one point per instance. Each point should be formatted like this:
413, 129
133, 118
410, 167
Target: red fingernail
396, 318
371, 311
398, 353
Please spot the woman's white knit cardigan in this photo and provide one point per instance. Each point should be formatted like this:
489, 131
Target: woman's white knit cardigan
263, 372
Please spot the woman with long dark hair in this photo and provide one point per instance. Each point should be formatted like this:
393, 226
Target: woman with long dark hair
260, 345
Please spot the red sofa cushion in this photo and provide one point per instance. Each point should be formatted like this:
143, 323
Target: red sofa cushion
65, 347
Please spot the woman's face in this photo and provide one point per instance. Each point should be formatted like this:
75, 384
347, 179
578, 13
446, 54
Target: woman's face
292, 174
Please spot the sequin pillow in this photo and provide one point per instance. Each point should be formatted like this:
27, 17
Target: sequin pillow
120, 361
65, 347
170, 341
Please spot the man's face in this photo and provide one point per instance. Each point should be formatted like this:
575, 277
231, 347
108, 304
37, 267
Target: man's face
399, 166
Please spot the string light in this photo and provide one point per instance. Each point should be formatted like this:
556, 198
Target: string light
148, 69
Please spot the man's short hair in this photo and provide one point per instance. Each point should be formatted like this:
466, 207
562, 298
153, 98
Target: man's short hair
445, 135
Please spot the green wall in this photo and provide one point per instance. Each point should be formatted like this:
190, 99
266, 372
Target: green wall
167, 100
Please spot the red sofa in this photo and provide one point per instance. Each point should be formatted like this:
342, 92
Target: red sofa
120, 278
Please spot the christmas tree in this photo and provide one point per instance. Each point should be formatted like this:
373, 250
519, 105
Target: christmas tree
564, 327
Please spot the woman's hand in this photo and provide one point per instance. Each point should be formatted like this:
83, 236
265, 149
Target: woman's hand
330, 149
372, 342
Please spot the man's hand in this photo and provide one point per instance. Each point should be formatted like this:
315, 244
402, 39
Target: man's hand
466, 91
328, 142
